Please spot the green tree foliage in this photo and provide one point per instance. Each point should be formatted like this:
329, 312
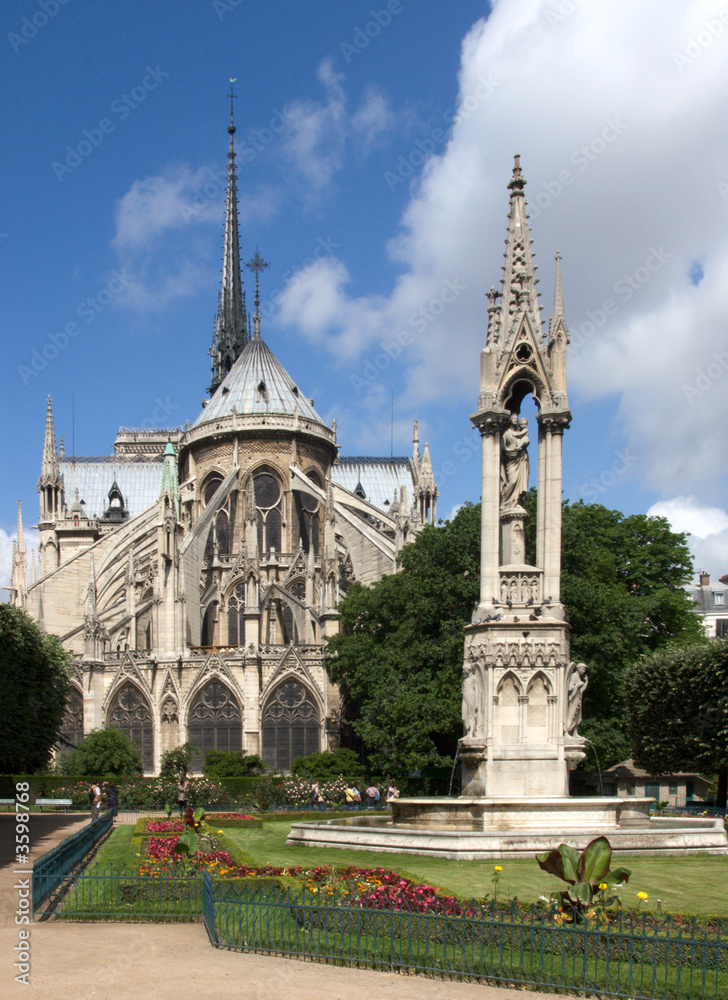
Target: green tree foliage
622, 588
399, 657
678, 711
176, 763
221, 764
327, 766
104, 752
33, 692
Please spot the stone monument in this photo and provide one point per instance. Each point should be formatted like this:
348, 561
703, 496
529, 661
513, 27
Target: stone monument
521, 693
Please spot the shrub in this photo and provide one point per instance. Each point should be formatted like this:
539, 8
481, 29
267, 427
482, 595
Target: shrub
104, 751
327, 766
219, 764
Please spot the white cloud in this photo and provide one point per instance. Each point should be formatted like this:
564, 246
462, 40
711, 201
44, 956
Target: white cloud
626, 177
689, 514
318, 132
706, 526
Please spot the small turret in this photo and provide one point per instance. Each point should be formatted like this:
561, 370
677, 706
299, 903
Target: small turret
19, 581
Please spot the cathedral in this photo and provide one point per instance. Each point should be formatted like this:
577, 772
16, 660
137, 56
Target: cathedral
194, 574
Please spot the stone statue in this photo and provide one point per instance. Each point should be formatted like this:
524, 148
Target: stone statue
472, 698
514, 462
576, 681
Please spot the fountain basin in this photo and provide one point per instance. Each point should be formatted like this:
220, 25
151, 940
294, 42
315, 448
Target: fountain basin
479, 828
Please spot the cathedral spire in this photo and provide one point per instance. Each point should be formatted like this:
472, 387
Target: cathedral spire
231, 323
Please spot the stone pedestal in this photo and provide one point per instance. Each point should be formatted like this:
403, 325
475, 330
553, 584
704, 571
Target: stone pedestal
513, 536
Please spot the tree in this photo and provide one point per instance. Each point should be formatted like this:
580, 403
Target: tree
176, 763
399, 656
33, 693
678, 711
104, 751
236, 764
327, 765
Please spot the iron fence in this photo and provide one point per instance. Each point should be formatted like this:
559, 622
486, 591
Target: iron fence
642, 960
638, 957
50, 869
121, 894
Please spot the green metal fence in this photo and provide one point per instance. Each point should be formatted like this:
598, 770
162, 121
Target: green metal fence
644, 959
513, 946
50, 869
124, 894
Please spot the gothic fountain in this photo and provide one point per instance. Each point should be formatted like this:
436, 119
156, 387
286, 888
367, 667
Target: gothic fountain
522, 694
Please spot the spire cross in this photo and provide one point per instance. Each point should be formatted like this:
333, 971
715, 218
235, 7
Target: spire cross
257, 264
232, 96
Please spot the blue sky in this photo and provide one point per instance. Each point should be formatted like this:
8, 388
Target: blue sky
375, 143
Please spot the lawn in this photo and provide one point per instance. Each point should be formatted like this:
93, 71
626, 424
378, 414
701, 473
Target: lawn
685, 885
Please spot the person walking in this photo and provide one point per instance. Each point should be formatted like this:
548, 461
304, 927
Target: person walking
94, 794
182, 795
112, 797
317, 799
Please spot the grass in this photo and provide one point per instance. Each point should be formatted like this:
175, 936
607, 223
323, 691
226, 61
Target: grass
686, 885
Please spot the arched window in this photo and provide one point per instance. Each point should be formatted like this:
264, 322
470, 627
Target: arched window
288, 622
130, 714
207, 636
291, 725
220, 536
268, 502
214, 722
307, 509
236, 617
72, 724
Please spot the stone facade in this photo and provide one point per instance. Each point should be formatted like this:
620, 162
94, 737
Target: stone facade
195, 574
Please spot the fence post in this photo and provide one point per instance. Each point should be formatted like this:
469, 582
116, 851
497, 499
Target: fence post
208, 908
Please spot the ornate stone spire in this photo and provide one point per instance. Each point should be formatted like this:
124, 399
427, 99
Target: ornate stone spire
169, 494
50, 484
231, 322
519, 296
19, 583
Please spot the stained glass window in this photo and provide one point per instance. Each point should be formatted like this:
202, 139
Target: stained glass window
131, 715
215, 722
291, 725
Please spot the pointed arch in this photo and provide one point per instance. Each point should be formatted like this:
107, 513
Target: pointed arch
130, 713
537, 709
509, 695
215, 720
71, 731
290, 723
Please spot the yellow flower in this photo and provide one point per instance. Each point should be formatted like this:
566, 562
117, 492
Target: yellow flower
497, 868
602, 885
642, 895
219, 831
